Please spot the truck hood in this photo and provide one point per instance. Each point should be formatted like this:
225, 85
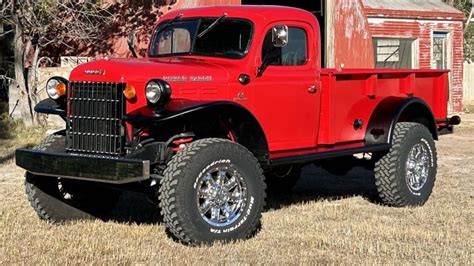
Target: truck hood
171, 69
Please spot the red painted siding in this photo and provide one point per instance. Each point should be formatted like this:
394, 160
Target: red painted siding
422, 30
352, 40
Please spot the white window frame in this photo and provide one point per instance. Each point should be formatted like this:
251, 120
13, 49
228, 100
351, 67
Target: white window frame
415, 48
449, 60
449, 48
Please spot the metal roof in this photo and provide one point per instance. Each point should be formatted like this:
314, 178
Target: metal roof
425, 8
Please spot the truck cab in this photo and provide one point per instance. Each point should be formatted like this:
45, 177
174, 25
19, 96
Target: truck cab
227, 102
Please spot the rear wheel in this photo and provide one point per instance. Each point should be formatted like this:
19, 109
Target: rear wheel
212, 190
405, 176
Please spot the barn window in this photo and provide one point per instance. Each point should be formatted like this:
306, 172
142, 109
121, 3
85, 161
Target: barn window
440, 50
393, 52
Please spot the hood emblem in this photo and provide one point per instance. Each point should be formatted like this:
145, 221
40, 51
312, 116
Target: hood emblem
94, 72
200, 78
188, 78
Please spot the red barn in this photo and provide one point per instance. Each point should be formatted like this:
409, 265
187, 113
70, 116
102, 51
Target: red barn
419, 34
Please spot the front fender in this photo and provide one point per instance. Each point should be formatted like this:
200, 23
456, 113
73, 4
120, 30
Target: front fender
245, 125
52, 107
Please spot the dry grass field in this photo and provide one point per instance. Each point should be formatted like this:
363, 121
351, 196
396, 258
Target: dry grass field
326, 220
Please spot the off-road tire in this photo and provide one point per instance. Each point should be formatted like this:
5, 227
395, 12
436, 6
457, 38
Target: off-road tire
86, 200
390, 170
279, 182
178, 192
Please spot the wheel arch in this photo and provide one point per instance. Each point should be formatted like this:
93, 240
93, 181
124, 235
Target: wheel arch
392, 110
248, 131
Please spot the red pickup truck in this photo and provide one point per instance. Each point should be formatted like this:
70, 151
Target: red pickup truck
230, 102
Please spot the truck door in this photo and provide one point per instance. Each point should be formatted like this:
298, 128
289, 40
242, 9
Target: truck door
287, 94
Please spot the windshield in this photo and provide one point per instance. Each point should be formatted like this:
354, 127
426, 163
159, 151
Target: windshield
228, 38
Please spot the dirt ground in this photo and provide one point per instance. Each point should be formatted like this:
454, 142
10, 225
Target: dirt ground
326, 220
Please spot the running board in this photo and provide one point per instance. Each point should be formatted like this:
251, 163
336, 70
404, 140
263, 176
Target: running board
306, 158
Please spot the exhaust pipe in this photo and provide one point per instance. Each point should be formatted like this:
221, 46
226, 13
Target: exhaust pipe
453, 121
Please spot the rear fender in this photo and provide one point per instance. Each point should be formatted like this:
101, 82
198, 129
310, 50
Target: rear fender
393, 110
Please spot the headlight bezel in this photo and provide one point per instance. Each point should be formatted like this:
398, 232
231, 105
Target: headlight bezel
52, 87
162, 91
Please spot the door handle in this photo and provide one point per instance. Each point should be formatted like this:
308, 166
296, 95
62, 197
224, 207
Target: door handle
312, 89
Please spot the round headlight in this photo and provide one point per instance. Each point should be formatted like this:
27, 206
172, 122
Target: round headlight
154, 92
56, 87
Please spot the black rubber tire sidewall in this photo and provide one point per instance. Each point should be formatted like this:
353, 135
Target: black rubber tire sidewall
390, 169
45, 198
249, 213
415, 136
219, 154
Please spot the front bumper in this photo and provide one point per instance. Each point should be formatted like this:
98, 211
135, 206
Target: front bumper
58, 164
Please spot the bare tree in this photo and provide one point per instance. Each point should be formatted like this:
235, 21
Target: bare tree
467, 7
42, 23
469, 18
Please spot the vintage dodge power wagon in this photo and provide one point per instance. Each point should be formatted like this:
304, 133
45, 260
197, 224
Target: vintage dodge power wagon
228, 104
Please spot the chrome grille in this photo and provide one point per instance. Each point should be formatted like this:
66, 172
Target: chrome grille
94, 118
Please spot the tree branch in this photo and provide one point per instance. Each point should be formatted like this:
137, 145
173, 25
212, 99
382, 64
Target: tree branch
466, 27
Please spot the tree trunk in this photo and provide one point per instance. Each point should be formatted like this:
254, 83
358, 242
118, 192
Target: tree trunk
23, 103
33, 87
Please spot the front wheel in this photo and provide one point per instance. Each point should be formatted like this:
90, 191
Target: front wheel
60, 200
405, 176
213, 190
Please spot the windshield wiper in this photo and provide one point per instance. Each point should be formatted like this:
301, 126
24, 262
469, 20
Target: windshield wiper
169, 23
212, 26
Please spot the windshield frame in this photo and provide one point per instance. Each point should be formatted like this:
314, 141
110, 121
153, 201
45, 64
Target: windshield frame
192, 53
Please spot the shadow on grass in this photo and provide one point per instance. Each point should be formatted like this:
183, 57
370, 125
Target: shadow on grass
315, 185
135, 208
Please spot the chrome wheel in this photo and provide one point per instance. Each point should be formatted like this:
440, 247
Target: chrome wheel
418, 167
221, 196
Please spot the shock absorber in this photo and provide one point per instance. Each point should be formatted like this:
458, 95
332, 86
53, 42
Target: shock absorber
179, 144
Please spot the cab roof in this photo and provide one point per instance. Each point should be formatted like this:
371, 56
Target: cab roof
254, 13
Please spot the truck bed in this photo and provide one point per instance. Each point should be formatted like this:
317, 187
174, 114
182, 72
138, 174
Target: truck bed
351, 94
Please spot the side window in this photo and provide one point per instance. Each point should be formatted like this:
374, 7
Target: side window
293, 54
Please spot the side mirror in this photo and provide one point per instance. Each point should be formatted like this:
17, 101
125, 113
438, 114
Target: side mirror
280, 36
131, 43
